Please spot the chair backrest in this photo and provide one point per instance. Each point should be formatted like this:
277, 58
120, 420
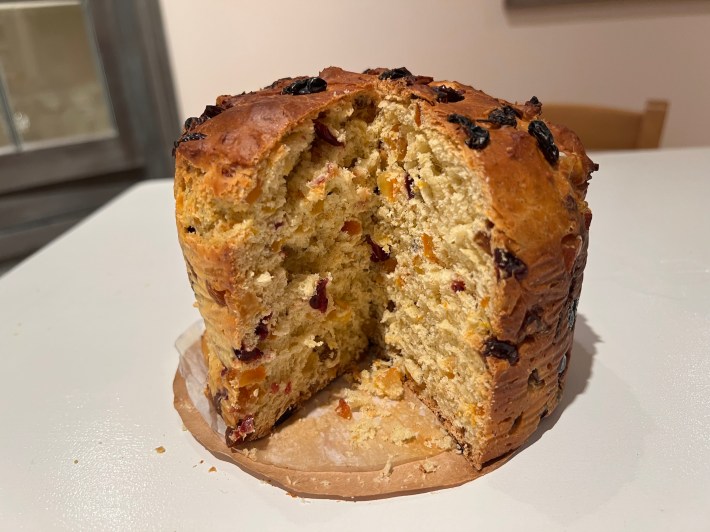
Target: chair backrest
602, 128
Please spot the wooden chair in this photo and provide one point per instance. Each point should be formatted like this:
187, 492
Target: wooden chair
602, 128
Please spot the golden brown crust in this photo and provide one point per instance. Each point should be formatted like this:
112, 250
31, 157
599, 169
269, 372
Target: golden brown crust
538, 214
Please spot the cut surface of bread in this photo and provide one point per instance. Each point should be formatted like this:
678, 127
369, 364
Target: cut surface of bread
325, 218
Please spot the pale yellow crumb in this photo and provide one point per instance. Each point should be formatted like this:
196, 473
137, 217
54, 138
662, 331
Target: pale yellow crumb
401, 435
160, 450
428, 466
212, 469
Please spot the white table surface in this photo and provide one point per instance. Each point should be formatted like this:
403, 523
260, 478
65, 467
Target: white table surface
87, 327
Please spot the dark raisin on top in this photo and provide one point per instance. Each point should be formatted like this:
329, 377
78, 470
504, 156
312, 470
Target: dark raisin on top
210, 112
395, 73
378, 254
502, 350
508, 263
324, 133
478, 137
572, 314
247, 355
305, 86
545, 140
319, 300
408, 182
503, 116
446, 94
186, 138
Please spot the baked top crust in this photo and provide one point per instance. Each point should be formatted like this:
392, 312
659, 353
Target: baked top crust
538, 213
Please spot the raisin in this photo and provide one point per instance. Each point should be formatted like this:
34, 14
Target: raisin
211, 111
572, 314
532, 322
191, 122
391, 307
376, 190
534, 379
395, 73
563, 364
186, 138
545, 140
501, 350
532, 108
509, 263
217, 400
191, 229
319, 300
458, 285
284, 417
446, 94
305, 86
247, 355
262, 329
408, 182
217, 295
587, 219
478, 137
503, 116
378, 254
324, 133
595, 167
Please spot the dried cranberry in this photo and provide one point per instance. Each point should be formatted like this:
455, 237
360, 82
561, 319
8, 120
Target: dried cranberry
217, 400
545, 140
247, 355
233, 436
323, 132
503, 116
305, 86
509, 264
501, 350
378, 254
191, 229
478, 137
458, 285
319, 300
446, 94
408, 182
396, 73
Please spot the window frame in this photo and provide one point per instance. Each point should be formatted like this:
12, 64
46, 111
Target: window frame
131, 48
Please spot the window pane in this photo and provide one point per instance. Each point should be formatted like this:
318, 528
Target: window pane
50, 72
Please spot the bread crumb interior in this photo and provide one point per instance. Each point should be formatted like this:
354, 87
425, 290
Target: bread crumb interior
362, 239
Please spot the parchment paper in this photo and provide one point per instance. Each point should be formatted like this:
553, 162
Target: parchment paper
389, 447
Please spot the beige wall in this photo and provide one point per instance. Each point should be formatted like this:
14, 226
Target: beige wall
609, 53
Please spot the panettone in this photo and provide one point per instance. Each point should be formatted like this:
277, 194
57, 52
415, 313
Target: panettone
426, 222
